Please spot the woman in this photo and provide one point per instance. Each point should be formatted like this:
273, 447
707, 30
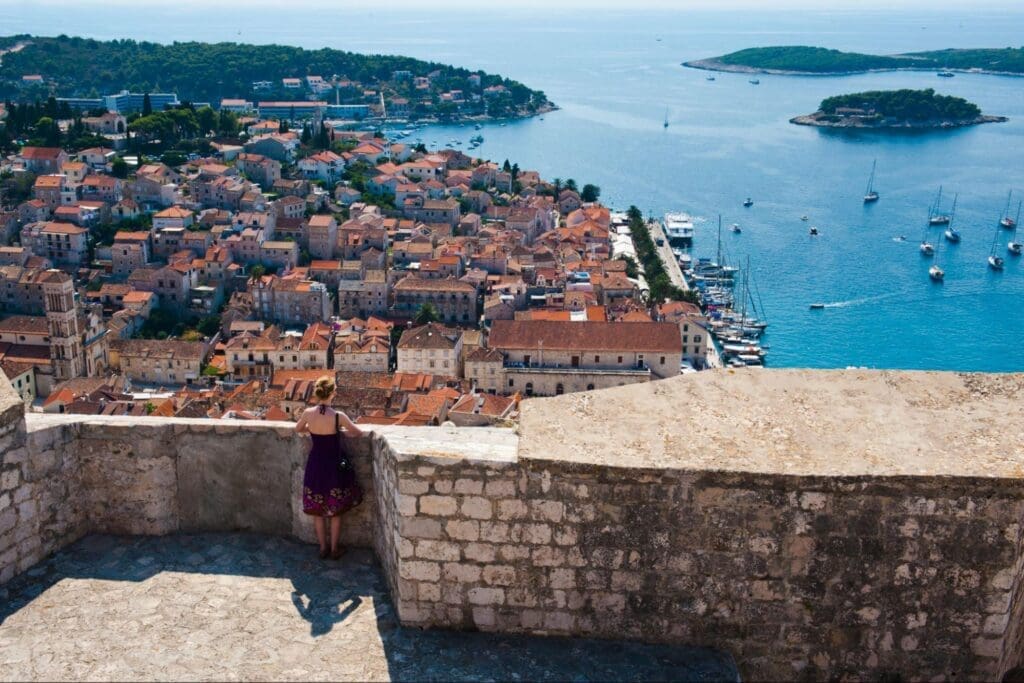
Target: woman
327, 489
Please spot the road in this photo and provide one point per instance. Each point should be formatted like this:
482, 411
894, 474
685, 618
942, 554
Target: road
675, 273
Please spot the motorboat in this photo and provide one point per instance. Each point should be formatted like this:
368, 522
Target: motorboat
736, 228
945, 74
748, 202
814, 231
804, 217
710, 78
755, 81
817, 307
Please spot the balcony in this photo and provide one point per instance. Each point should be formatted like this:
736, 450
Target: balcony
809, 524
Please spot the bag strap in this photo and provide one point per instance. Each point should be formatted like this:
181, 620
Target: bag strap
337, 428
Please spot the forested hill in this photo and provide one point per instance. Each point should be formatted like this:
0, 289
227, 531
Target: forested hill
802, 59
210, 71
905, 105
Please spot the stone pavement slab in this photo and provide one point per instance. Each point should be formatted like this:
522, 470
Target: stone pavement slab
247, 606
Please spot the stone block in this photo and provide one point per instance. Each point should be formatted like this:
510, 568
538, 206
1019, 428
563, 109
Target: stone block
608, 602
41, 465
501, 488
987, 647
429, 592
442, 551
511, 509
461, 573
406, 505
426, 471
463, 530
413, 487
473, 487
532, 619
439, 506
519, 596
27, 511
547, 556
10, 479
476, 507
511, 553
563, 578
535, 534
8, 518
443, 486
417, 527
484, 618
559, 621
486, 596
626, 581
499, 575
547, 510
5, 500
810, 500
480, 552
412, 613
565, 535
405, 547
416, 570
494, 532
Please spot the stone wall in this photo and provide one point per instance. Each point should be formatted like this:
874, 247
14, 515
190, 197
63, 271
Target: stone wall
814, 525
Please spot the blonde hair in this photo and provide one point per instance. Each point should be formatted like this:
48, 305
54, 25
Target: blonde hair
324, 388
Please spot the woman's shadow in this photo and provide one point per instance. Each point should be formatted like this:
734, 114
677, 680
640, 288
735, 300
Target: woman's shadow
324, 599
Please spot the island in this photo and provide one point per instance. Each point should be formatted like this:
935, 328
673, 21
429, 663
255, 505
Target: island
896, 109
803, 60
33, 68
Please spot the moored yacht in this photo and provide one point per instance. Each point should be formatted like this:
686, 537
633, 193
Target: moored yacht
679, 229
996, 262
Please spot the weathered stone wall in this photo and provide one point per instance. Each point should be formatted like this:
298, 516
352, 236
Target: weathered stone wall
886, 538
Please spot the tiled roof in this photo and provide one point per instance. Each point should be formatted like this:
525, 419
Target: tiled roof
585, 336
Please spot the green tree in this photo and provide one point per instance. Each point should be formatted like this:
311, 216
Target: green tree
147, 106
427, 313
590, 193
207, 120
570, 184
257, 271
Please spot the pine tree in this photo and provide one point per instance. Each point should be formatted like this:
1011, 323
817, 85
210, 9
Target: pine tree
147, 106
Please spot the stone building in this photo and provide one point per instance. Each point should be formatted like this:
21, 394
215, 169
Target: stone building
455, 300
160, 362
431, 349
550, 357
485, 368
364, 297
290, 300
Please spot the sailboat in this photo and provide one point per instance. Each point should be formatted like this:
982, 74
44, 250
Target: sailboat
665, 125
927, 248
1013, 246
1006, 221
995, 261
952, 234
935, 271
870, 195
934, 217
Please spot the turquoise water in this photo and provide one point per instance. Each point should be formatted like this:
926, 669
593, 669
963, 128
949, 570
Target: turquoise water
728, 139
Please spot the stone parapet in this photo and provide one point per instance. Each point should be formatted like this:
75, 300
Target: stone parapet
812, 524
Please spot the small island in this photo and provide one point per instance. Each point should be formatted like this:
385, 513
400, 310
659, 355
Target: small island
803, 60
896, 110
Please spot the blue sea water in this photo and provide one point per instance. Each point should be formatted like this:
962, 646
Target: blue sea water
614, 75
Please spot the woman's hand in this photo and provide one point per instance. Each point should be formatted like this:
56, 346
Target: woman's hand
348, 426
302, 426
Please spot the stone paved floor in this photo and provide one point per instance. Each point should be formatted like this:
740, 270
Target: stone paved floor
242, 607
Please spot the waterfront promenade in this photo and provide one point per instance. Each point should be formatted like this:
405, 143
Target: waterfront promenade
657, 229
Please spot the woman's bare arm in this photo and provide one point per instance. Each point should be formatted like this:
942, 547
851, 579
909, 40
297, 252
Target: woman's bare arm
302, 426
350, 428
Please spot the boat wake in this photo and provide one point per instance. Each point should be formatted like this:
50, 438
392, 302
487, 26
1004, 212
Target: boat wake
863, 300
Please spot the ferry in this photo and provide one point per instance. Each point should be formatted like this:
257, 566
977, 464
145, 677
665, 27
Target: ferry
679, 229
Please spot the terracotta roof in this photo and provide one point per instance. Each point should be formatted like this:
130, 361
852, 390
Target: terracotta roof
430, 336
585, 336
33, 324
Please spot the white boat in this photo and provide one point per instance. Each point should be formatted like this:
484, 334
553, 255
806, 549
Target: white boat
736, 228
927, 248
1013, 246
870, 195
996, 262
1006, 221
951, 233
755, 81
945, 74
678, 228
936, 273
935, 217
478, 126
804, 217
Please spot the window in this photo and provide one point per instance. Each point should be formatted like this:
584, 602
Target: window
511, 382
663, 360
686, 328
559, 390
590, 387
685, 338
432, 363
597, 359
529, 388
696, 339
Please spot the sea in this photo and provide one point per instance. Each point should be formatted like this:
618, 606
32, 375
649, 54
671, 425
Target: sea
617, 77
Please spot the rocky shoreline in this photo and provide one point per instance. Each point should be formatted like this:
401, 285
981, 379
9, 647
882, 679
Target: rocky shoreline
715, 65
818, 120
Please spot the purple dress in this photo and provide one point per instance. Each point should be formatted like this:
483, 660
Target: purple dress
328, 490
